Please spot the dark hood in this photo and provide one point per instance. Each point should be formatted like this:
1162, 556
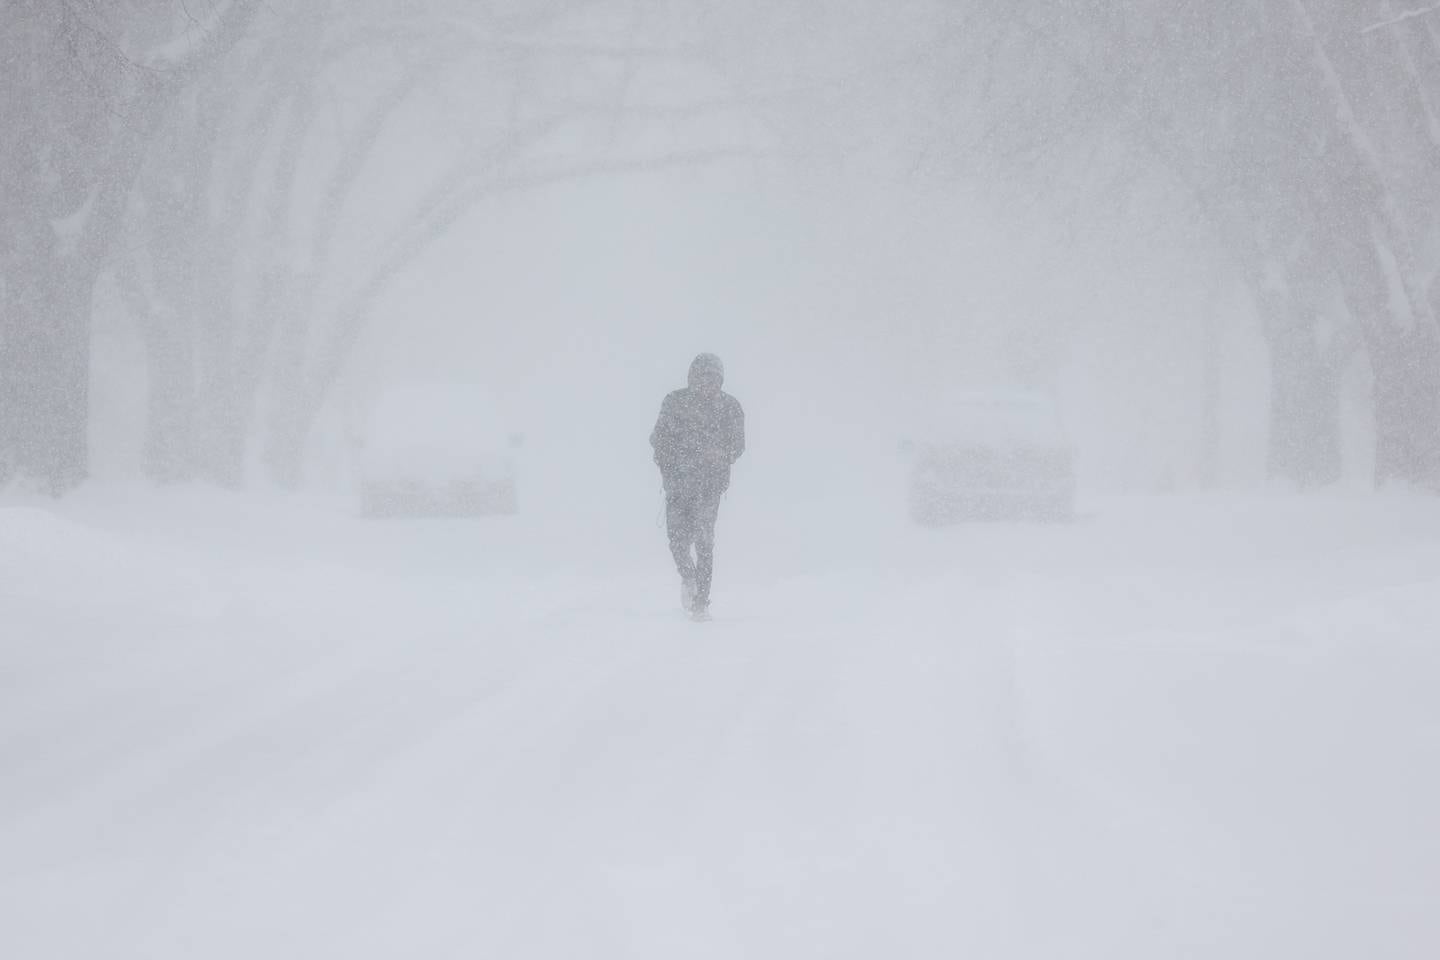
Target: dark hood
707, 366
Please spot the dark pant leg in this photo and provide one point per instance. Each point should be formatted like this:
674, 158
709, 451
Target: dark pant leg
680, 527
707, 511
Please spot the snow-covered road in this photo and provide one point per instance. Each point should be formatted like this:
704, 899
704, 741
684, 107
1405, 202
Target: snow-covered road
1177, 728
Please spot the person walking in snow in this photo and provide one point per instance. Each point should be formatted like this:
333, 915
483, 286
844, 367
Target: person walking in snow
698, 437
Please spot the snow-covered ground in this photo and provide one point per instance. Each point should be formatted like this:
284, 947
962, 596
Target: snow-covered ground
1202, 728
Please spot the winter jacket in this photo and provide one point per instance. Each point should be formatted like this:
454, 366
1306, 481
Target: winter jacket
698, 436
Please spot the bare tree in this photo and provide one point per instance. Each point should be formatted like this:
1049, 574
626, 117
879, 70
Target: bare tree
530, 81
1304, 139
81, 107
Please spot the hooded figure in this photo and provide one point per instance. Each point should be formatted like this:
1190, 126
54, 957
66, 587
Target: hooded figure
699, 435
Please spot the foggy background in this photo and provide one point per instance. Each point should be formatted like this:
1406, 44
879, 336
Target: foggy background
1211, 233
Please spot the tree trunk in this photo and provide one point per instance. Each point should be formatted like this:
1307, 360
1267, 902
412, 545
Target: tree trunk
1304, 444
1209, 460
45, 364
1406, 368
170, 455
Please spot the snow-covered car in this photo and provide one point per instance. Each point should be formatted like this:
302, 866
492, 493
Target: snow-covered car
993, 456
437, 450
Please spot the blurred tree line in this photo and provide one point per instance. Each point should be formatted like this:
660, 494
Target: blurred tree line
1299, 142
208, 170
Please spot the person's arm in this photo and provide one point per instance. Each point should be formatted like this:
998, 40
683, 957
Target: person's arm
662, 438
737, 430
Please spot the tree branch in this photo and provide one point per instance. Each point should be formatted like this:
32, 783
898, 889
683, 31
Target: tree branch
432, 224
185, 55
1402, 18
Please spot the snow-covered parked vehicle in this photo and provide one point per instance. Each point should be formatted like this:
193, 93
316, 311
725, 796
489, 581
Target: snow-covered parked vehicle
992, 456
437, 450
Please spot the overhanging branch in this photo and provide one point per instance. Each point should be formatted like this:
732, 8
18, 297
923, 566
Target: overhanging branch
1402, 18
